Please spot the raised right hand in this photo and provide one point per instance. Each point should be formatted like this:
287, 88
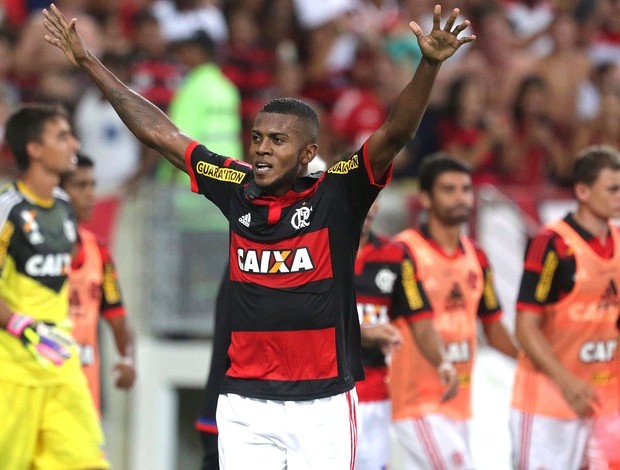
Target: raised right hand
64, 35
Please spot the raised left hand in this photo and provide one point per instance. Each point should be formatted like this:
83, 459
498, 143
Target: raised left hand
441, 44
63, 34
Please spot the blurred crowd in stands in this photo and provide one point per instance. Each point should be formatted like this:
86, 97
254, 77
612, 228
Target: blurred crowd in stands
541, 82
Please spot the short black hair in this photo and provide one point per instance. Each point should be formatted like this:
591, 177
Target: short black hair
294, 107
437, 164
592, 160
25, 125
83, 161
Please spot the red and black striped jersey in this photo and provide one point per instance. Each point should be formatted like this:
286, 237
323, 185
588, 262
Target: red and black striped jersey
378, 282
294, 325
378, 285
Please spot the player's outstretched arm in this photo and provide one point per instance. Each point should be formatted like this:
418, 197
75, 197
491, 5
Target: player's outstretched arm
145, 120
406, 114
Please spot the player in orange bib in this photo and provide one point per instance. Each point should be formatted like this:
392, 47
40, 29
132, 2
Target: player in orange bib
566, 384
381, 278
93, 288
456, 278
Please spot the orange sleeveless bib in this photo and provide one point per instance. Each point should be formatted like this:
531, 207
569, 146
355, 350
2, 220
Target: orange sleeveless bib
454, 287
85, 303
581, 329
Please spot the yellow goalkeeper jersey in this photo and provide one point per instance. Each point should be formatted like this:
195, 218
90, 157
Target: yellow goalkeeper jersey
37, 238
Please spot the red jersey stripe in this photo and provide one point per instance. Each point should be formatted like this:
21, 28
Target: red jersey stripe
388, 175
538, 249
206, 427
114, 312
290, 263
276, 355
188, 163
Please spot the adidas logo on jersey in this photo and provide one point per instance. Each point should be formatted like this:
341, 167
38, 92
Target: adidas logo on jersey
246, 219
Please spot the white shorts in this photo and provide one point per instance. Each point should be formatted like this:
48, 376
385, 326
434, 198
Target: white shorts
373, 435
434, 442
291, 435
553, 443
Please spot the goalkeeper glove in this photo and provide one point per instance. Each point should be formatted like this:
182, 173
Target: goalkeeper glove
48, 344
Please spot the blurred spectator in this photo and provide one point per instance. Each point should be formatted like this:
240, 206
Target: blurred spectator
180, 19
604, 129
43, 71
495, 56
155, 75
603, 78
16, 12
289, 82
111, 15
312, 14
327, 49
537, 153
374, 19
606, 43
358, 111
206, 106
531, 20
564, 71
466, 131
8, 168
280, 20
249, 63
10, 89
104, 136
9, 100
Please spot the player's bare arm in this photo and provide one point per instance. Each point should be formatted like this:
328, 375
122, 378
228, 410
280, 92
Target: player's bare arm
499, 338
385, 336
581, 397
145, 120
124, 370
432, 348
406, 114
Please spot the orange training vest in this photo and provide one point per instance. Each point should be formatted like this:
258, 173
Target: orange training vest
85, 303
454, 288
581, 329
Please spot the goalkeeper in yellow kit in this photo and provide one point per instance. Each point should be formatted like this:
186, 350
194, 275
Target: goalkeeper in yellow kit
47, 416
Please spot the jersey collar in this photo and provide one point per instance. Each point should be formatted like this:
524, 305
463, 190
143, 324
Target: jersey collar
33, 198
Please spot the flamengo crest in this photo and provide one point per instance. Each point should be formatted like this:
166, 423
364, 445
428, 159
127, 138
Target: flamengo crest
301, 218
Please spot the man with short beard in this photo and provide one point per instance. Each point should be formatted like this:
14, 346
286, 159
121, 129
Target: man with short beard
456, 278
